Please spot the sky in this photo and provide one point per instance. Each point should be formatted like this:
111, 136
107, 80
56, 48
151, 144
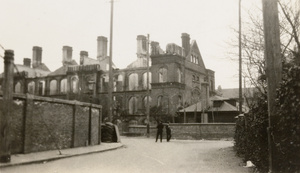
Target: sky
52, 24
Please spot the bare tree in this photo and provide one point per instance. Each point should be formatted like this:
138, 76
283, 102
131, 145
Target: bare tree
253, 42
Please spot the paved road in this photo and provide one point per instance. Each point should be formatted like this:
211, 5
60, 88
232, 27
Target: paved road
144, 155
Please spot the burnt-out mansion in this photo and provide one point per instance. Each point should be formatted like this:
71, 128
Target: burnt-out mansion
178, 78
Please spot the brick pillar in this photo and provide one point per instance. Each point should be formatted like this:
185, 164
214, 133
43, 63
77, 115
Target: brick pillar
5, 116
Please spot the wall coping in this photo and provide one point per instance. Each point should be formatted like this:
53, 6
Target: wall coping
53, 100
186, 124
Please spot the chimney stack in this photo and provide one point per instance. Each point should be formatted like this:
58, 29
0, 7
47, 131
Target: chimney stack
83, 54
186, 43
27, 62
101, 47
36, 56
154, 48
141, 45
67, 54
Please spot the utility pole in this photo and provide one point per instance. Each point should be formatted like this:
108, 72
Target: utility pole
148, 92
273, 73
110, 82
5, 117
240, 61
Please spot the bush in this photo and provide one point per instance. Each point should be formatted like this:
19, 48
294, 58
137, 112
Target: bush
251, 139
288, 138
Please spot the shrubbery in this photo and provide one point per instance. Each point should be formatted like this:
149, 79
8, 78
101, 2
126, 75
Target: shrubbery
251, 139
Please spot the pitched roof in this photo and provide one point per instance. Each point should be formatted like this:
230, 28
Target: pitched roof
215, 97
32, 72
60, 71
63, 69
195, 107
223, 108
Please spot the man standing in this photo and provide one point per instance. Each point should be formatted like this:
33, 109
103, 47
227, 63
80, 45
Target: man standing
159, 127
168, 130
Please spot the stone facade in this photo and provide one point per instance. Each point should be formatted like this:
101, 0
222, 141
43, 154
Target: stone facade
178, 78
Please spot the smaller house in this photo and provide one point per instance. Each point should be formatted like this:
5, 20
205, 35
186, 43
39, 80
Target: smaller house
220, 110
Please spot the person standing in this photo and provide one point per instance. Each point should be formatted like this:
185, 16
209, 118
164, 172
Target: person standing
168, 130
159, 127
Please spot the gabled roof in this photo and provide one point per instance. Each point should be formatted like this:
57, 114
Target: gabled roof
225, 107
63, 69
42, 67
195, 48
60, 71
195, 107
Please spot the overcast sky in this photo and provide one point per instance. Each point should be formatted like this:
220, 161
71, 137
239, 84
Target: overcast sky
52, 24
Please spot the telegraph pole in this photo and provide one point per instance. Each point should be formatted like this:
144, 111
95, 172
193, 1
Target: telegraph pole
273, 73
110, 82
240, 61
148, 92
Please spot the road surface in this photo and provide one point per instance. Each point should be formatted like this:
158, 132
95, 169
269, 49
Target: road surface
144, 155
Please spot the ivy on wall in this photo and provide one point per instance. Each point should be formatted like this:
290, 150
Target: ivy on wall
251, 139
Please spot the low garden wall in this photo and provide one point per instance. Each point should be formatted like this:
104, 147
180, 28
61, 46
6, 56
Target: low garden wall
196, 131
42, 123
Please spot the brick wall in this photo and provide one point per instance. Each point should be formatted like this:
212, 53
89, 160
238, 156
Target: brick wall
40, 124
196, 131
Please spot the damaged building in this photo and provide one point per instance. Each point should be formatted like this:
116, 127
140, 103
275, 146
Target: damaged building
177, 75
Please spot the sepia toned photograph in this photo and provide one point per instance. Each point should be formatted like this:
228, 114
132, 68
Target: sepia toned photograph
150, 86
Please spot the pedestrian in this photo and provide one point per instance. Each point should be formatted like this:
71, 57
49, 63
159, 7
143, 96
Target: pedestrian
159, 127
168, 130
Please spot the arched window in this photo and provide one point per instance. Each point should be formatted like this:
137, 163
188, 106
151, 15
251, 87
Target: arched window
159, 100
145, 80
74, 84
63, 86
195, 95
53, 87
145, 103
31, 87
120, 78
41, 87
162, 75
133, 81
119, 83
18, 87
178, 75
132, 105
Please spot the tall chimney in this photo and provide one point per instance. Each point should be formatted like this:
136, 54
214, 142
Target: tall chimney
36, 56
27, 62
101, 47
83, 54
141, 45
185, 38
67, 54
154, 48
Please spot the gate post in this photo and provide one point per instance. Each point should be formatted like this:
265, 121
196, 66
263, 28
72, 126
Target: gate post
5, 116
